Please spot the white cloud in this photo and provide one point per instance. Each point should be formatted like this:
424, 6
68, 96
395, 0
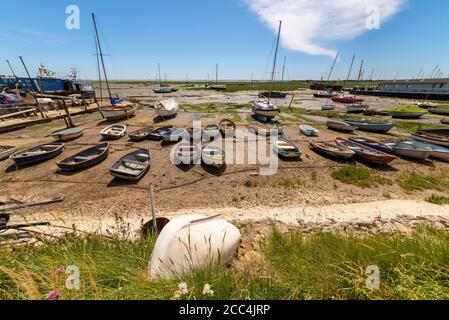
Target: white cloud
309, 24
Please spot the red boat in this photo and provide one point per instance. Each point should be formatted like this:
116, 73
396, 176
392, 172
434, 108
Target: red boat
346, 100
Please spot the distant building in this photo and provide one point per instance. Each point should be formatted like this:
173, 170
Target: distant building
432, 89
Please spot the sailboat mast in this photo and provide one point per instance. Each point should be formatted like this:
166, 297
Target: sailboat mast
159, 72
99, 73
216, 74
333, 66
101, 54
283, 69
275, 60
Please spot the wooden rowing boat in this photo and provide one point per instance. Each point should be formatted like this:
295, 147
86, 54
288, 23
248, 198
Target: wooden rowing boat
407, 114
38, 154
285, 148
114, 132
133, 166
373, 144
214, 156
308, 131
85, 159
68, 134
340, 126
156, 134
186, 154
346, 99
227, 128
365, 153
211, 132
141, 134
6, 152
410, 150
174, 135
438, 137
380, 127
332, 150
438, 152
123, 110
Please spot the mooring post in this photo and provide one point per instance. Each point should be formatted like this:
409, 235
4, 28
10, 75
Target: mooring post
153, 209
69, 118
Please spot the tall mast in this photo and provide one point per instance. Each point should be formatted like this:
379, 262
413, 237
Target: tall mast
283, 69
99, 73
159, 72
9, 64
216, 74
333, 66
101, 54
275, 60
350, 70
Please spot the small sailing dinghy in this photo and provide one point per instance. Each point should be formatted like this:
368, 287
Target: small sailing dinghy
285, 148
114, 132
340, 126
133, 166
227, 128
308, 131
186, 154
141, 134
6, 152
211, 132
37, 154
365, 153
193, 242
85, 159
265, 109
332, 150
68, 134
156, 134
214, 156
166, 108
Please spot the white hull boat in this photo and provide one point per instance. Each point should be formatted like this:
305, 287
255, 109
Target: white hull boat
340, 126
120, 111
114, 132
265, 109
193, 242
166, 108
308, 131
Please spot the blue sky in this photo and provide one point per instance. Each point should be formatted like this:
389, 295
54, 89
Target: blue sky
190, 36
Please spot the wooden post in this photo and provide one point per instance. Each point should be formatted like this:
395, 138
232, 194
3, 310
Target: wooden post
291, 102
69, 118
153, 209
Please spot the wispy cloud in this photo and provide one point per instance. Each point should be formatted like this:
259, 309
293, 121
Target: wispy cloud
310, 24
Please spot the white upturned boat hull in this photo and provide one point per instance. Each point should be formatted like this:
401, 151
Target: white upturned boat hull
193, 242
166, 108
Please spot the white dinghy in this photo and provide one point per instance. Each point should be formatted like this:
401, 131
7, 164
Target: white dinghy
193, 242
166, 108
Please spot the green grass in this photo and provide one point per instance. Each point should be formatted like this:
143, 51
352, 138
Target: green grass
359, 176
290, 266
214, 107
417, 182
412, 127
408, 109
439, 200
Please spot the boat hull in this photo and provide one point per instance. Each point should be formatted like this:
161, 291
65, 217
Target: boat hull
112, 114
327, 151
439, 111
407, 115
35, 159
343, 127
372, 127
404, 151
85, 164
67, 135
430, 139
6, 152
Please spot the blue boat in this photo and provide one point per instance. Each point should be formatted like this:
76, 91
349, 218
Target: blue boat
438, 152
373, 144
37, 154
284, 148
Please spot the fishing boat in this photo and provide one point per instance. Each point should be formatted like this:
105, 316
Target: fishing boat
308, 131
438, 152
339, 126
214, 156
332, 150
285, 148
381, 127
356, 108
119, 108
114, 132
133, 166
85, 159
37, 154
156, 134
439, 111
174, 135
410, 150
328, 107
438, 137
166, 108
68, 134
141, 134
6, 152
373, 144
324, 94
186, 154
265, 109
365, 153
346, 99
227, 128
119, 111
211, 132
